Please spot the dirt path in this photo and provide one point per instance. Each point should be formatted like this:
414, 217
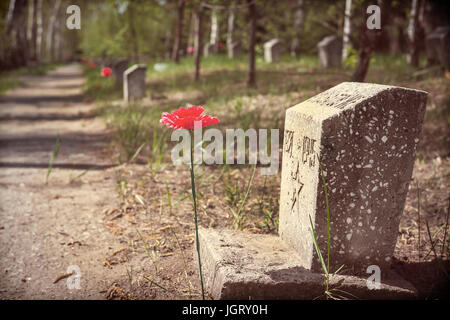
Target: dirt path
45, 228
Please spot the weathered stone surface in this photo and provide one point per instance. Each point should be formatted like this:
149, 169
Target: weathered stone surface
438, 46
234, 49
134, 82
272, 50
118, 68
366, 136
241, 265
330, 52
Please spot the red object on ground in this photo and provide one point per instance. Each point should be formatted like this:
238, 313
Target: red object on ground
106, 72
190, 49
184, 118
83, 60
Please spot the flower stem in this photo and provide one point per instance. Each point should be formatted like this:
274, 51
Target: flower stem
194, 197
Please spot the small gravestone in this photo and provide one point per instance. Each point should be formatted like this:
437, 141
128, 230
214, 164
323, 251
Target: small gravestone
330, 52
134, 82
365, 136
438, 47
272, 50
234, 49
118, 68
209, 49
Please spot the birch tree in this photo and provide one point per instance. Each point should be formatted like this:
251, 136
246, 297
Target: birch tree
32, 28
214, 35
214, 27
198, 40
39, 30
412, 56
298, 27
191, 34
347, 29
51, 30
230, 29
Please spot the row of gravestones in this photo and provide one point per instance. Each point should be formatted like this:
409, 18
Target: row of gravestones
330, 49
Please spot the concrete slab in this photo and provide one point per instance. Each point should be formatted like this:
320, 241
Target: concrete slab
245, 266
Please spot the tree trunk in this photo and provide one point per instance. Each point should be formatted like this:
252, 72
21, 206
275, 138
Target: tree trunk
413, 57
179, 32
191, 35
198, 42
133, 33
363, 59
29, 20
51, 31
368, 39
10, 15
230, 29
214, 27
39, 30
251, 80
16, 26
395, 35
167, 41
58, 47
298, 27
347, 29
33, 28
367, 43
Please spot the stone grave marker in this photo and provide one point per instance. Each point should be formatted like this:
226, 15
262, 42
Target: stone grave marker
438, 46
134, 82
234, 49
330, 52
272, 50
365, 136
118, 68
209, 49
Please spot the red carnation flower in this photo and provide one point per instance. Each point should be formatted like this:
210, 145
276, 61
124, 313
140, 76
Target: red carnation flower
184, 118
106, 72
190, 49
83, 60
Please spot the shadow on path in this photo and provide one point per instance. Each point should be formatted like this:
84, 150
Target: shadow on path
71, 166
50, 117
